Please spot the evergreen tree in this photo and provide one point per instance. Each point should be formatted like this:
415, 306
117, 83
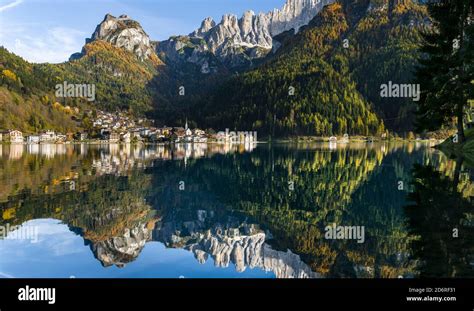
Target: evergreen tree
446, 67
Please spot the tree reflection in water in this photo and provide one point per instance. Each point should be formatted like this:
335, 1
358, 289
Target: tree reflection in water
238, 209
441, 217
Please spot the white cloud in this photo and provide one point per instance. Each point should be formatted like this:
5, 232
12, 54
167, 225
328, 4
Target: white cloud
10, 5
51, 237
51, 45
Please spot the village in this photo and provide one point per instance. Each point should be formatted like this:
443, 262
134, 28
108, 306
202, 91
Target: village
114, 128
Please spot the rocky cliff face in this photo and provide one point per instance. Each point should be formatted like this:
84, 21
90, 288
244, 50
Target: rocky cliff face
123, 32
122, 249
229, 241
294, 15
242, 245
250, 251
236, 42
233, 42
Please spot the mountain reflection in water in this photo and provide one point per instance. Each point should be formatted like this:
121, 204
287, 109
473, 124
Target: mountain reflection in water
232, 206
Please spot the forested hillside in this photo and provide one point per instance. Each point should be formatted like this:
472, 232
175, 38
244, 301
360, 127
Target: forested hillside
336, 66
298, 92
382, 47
27, 99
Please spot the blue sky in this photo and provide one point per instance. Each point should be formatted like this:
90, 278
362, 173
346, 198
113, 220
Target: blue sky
51, 30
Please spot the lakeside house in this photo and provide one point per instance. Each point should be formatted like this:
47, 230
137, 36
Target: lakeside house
186, 135
145, 132
199, 139
126, 138
13, 136
157, 137
114, 138
199, 132
221, 136
61, 138
48, 137
33, 139
111, 136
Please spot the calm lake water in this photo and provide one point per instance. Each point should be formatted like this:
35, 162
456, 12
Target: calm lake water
215, 211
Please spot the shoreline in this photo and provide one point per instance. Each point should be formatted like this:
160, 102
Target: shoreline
303, 139
464, 150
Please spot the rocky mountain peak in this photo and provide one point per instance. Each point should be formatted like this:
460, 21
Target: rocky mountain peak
124, 32
237, 41
207, 24
294, 15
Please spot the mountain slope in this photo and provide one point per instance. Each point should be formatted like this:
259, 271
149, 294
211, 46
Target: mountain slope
27, 99
383, 46
119, 60
325, 100
121, 78
336, 66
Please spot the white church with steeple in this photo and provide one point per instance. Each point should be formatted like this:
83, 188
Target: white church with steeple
187, 130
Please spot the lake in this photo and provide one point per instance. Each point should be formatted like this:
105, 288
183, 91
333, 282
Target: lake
235, 211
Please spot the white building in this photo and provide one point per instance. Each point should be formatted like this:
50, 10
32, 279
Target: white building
61, 138
13, 136
198, 132
200, 139
48, 137
33, 139
145, 132
188, 131
136, 134
126, 138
